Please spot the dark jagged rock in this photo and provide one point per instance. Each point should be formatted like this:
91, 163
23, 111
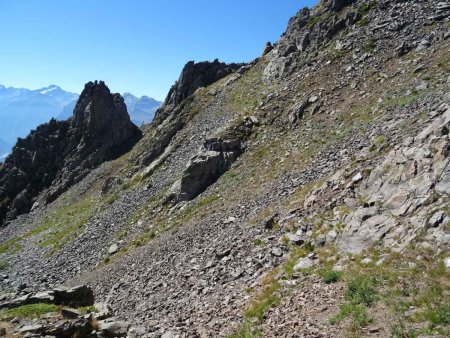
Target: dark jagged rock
81, 295
298, 21
197, 75
337, 5
194, 76
61, 153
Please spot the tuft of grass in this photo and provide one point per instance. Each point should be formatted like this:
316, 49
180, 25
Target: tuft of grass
245, 330
399, 330
263, 301
87, 309
362, 292
440, 315
364, 8
314, 20
3, 265
339, 54
362, 289
258, 241
380, 140
31, 310
111, 199
405, 100
357, 312
331, 276
295, 254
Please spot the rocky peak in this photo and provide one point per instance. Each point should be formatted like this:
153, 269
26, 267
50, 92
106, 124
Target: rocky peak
97, 109
197, 75
60, 153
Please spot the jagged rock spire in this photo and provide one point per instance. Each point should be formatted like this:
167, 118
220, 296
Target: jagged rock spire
60, 153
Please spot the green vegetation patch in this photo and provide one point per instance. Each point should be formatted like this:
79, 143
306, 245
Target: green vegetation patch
87, 309
12, 244
331, 276
3, 265
31, 310
245, 330
64, 224
417, 297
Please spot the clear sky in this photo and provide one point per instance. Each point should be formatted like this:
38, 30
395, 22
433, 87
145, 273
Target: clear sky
139, 46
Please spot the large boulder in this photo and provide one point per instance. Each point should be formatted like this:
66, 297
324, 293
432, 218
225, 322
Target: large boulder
213, 160
111, 329
77, 296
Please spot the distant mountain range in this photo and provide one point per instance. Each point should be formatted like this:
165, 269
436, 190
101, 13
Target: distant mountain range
22, 110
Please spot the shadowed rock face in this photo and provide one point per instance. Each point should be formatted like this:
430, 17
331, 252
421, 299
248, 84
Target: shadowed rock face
60, 153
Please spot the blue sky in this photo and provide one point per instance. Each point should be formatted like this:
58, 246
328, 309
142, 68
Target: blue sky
138, 46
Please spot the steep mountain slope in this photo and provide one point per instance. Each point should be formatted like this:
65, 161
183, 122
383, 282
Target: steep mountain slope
303, 194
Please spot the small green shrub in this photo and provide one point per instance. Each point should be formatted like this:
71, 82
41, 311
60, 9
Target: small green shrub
399, 331
111, 199
358, 313
380, 140
440, 315
257, 241
362, 290
313, 21
331, 276
364, 8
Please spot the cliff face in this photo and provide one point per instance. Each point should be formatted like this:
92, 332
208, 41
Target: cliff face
59, 154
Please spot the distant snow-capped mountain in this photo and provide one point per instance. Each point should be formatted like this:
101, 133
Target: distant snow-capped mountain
22, 110
141, 109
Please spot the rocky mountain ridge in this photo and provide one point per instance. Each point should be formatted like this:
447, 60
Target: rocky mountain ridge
303, 194
22, 110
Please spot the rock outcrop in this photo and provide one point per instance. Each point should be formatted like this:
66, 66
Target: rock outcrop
74, 314
192, 77
213, 160
197, 75
60, 153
